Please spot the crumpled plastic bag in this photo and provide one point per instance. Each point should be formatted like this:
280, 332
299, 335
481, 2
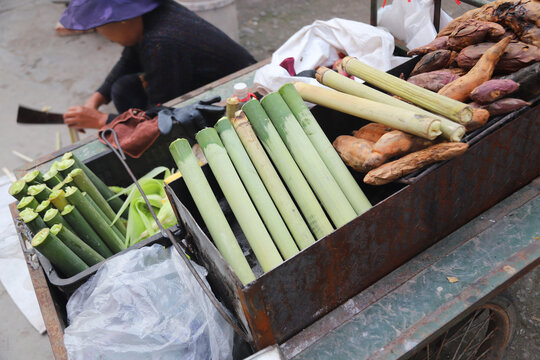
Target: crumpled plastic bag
411, 22
318, 44
145, 304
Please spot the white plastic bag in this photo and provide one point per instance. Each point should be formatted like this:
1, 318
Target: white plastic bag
145, 304
318, 45
411, 22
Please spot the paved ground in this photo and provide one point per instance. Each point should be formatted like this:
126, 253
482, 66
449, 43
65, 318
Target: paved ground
39, 69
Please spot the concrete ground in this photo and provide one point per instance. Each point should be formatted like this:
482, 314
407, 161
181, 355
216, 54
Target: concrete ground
39, 69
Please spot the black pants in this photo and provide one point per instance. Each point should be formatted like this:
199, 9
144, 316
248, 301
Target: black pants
127, 93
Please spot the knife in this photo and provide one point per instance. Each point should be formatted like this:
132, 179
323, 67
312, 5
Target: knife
30, 116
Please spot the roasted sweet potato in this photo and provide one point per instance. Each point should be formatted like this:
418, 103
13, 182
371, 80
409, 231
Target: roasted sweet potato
531, 36
505, 106
434, 80
353, 151
516, 56
473, 32
438, 44
492, 90
434, 61
372, 132
528, 79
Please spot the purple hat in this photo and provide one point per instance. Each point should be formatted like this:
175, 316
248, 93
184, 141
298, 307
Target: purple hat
89, 14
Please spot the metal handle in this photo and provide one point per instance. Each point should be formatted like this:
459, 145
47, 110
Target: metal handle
166, 233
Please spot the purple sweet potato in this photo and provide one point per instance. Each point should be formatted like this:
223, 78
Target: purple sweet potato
493, 90
433, 61
473, 32
434, 80
505, 106
437, 44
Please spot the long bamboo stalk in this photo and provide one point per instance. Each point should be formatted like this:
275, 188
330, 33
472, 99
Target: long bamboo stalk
76, 198
18, 189
58, 199
304, 153
291, 174
53, 217
324, 148
33, 177
79, 247
104, 217
58, 253
258, 237
285, 204
31, 218
424, 126
41, 192
43, 207
85, 184
52, 177
85, 231
27, 202
452, 109
256, 189
211, 213
450, 130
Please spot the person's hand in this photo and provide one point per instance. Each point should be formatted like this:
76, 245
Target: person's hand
81, 117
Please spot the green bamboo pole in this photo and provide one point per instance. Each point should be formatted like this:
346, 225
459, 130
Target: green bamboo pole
41, 192
85, 231
324, 148
27, 202
85, 184
76, 198
258, 237
297, 184
256, 189
79, 247
52, 177
450, 130
285, 204
304, 153
58, 253
18, 189
102, 214
31, 218
452, 109
33, 177
107, 193
53, 217
42, 208
58, 199
66, 166
211, 213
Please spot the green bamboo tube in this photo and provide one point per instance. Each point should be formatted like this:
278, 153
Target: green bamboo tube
66, 166
52, 177
107, 193
42, 208
297, 184
18, 189
84, 183
33, 177
41, 192
326, 151
450, 108
258, 237
62, 257
209, 209
304, 153
79, 247
113, 241
255, 187
53, 216
285, 204
31, 218
450, 130
427, 127
102, 214
84, 231
58, 199
27, 202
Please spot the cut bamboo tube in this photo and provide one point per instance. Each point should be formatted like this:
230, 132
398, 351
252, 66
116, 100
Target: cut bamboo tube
85, 231
18, 189
104, 217
33, 177
31, 218
450, 130
424, 126
285, 204
27, 202
256, 189
304, 153
41, 192
258, 237
324, 148
43, 207
76, 198
58, 253
53, 217
79, 247
291, 174
58, 199
52, 177
233, 105
210, 211
452, 109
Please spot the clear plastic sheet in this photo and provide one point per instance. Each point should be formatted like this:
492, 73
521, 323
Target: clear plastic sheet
145, 304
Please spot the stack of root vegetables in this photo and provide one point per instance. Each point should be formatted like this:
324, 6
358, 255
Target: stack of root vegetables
483, 64
280, 175
67, 212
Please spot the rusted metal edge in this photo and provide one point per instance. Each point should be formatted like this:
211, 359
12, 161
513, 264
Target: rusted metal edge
55, 328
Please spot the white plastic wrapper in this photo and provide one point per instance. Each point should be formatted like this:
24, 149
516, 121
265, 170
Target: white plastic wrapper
411, 22
145, 304
318, 45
